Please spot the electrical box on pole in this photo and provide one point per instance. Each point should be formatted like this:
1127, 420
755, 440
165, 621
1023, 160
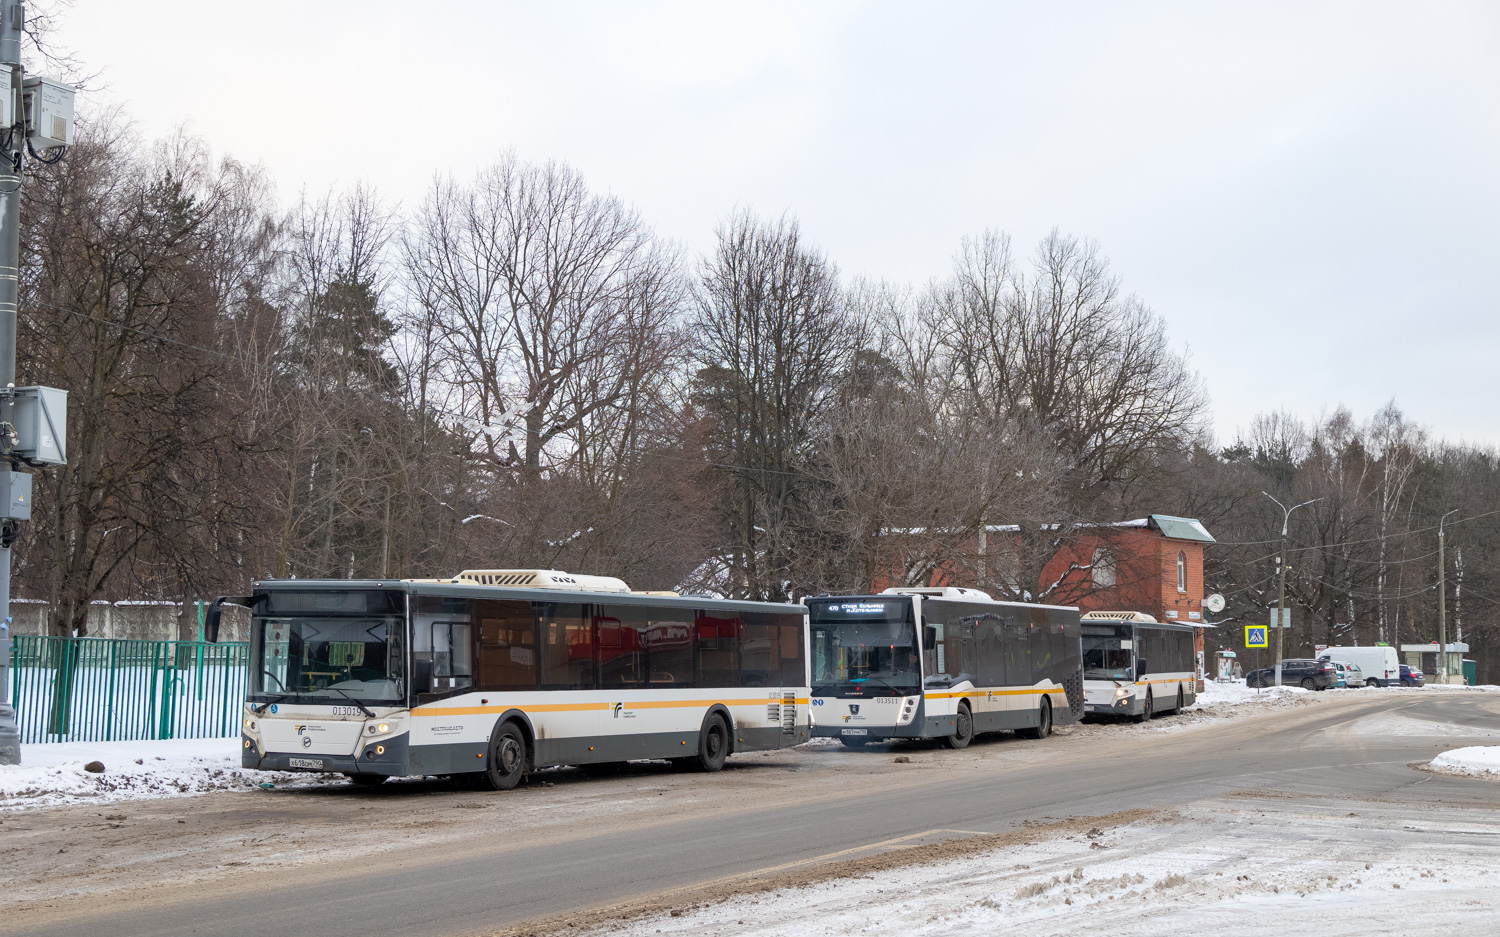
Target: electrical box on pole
49, 113
39, 416
15, 496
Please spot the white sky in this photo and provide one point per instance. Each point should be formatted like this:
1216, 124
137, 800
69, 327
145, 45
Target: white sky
1308, 192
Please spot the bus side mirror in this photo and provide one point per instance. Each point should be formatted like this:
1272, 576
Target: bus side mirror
215, 614
929, 638
1140, 667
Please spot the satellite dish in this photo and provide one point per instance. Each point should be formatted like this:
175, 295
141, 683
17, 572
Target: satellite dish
1214, 603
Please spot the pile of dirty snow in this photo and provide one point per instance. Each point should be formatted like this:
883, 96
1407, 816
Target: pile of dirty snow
1475, 761
1235, 693
55, 774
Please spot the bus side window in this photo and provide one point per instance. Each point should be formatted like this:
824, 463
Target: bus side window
1040, 647
567, 639
436, 670
717, 646
670, 653
507, 645
759, 654
989, 650
452, 656
793, 659
623, 638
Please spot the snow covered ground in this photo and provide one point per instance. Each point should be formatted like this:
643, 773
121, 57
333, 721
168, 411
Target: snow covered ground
1203, 870
53, 774
1475, 761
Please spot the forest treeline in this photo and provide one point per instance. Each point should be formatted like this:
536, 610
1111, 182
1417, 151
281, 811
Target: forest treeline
518, 371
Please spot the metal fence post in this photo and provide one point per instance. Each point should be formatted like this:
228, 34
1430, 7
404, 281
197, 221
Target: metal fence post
10, 734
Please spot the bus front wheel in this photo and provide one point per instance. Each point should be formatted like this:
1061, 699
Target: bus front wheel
1147, 709
1043, 727
507, 758
963, 728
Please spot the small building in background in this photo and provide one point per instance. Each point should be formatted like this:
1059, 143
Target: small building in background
1424, 657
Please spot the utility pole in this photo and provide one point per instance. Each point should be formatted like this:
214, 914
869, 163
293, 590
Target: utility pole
1281, 616
1442, 654
38, 116
11, 20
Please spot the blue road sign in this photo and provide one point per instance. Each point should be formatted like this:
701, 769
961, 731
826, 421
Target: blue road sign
1255, 635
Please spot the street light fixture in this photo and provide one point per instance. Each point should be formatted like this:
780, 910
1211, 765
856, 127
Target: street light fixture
1281, 618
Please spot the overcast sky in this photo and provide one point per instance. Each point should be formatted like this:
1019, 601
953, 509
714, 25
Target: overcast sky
1309, 193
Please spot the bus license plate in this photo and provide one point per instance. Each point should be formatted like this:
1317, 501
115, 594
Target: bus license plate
307, 763
856, 731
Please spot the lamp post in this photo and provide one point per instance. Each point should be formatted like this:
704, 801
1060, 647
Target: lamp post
1442, 654
1281, 618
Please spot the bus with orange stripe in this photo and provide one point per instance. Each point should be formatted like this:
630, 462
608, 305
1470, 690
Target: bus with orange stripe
494, 673
1135, 666
945, 663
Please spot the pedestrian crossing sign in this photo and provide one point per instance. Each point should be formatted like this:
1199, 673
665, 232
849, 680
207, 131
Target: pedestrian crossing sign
1255, 636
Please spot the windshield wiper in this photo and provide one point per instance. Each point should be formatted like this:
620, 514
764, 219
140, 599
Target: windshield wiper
362, 707
261, 709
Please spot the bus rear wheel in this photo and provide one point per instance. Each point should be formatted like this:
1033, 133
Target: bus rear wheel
367, 780
507, 758
713, 747
1043, 727
963, 728
1181, 703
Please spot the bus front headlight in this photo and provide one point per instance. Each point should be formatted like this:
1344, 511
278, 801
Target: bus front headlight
1121, 692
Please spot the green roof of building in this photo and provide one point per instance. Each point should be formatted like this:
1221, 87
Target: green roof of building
1181, 528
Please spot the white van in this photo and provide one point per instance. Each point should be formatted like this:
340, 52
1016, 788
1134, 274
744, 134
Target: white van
1380, 665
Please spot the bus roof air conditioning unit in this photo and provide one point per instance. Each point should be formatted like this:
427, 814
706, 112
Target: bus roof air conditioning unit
542, 579
942, 592
1119, 616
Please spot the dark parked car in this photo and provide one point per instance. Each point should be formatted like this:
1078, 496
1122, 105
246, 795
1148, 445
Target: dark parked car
1308, 674
1411, 677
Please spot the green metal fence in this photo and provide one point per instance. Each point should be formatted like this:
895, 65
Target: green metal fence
108, 689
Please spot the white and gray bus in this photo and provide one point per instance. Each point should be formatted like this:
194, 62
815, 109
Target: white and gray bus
941, 663
496, 672
1136, 666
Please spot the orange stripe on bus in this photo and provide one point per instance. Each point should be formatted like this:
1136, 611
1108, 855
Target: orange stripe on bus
585, 707
979, 692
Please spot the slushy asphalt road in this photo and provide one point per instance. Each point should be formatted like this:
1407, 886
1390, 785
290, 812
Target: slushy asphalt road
587, 842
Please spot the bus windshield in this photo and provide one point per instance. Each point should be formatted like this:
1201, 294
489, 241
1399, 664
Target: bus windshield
329, 646
1108, 652
864, 647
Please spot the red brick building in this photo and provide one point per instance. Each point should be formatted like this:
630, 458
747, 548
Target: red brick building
1152, 565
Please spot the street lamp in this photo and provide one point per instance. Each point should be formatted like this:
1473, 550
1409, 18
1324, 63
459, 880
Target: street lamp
1442, 654
1286, 516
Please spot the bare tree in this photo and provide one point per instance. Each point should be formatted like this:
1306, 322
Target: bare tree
554, 311
772, 338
